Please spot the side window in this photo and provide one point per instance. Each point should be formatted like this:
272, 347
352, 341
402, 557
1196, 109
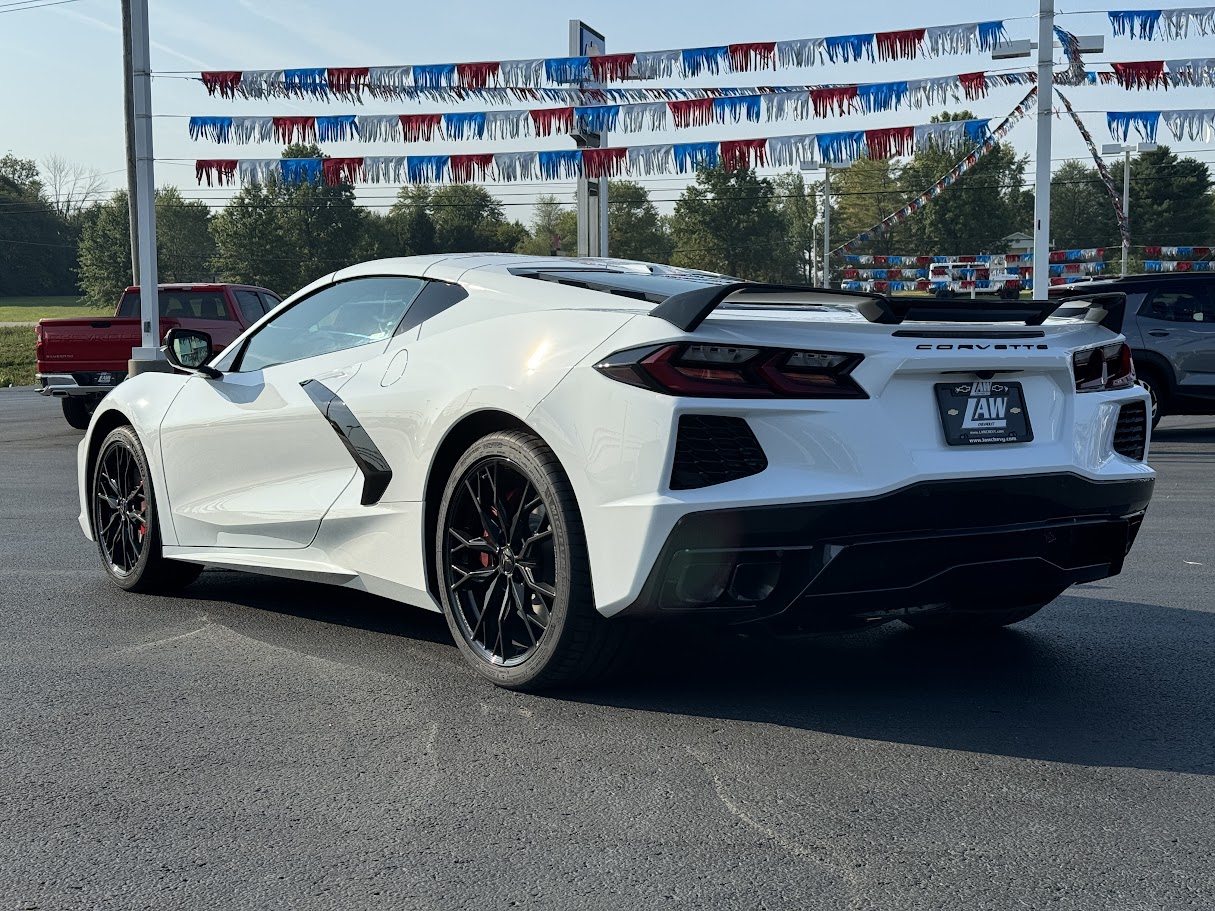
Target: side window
178, 303
250, 306
269, 301
1188, 304
346, 315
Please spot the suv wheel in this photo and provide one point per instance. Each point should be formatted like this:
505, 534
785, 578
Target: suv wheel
1150, 380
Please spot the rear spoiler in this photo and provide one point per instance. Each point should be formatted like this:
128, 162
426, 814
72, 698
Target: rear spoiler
689, 309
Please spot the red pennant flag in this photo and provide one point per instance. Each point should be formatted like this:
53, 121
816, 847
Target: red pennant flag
226, 82
338, 171
221, 170
974, 85
466, 168
1058, 256
286, 129
839, 97
755, 55
611, 67
1185, 267
1151, 251
609, 162
477, 75
344, 80
550, 120
1146, 74
902, 45
889, 142
737, 154
420, 127
695, 112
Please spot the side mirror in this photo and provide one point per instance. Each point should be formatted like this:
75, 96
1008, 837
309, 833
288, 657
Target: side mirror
189, 350
1199, 316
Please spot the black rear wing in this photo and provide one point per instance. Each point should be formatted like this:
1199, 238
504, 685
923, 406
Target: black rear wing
689, 309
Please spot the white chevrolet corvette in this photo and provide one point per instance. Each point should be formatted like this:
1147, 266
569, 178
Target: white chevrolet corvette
539, 448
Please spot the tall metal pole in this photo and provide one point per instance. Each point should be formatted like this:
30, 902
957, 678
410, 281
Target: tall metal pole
128, 104
1046, 90
1126, 209
826, 225
592, 195
149, 356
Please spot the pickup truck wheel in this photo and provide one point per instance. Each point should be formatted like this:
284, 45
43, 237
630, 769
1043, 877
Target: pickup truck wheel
125, 522
77, 411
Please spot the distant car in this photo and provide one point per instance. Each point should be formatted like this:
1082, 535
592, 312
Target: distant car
1170, 325
543, 448
81, 359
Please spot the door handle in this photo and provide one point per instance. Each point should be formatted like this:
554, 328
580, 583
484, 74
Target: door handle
1159, 333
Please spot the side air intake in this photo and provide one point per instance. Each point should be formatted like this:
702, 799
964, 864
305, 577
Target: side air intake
712, 450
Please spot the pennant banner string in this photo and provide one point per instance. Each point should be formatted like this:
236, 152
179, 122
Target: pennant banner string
1107, 180
353, 82
1165, 24
569, 164
771, 106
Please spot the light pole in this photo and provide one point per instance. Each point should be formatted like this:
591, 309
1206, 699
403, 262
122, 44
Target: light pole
826, 167
1045, 46
1117, 148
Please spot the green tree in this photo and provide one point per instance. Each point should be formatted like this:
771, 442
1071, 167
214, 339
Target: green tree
1172, 201
727, 222
797, 204
184, 246
863, 195
37, 245
978, 211
1081, 211
635, 229
411, 229
554, 228
283, 236
468, 219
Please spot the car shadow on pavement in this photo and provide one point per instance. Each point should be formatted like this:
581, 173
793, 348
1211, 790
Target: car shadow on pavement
1088, 682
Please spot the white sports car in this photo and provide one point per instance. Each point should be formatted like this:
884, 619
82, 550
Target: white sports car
539, 448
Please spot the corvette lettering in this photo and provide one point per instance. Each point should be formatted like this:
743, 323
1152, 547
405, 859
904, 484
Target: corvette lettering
969, 347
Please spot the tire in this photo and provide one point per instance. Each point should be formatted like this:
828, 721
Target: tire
517, 592
77, 411
954, 619
1150, 379
125, 520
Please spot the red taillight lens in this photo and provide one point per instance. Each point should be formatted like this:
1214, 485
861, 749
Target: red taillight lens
1104, 368
722, 371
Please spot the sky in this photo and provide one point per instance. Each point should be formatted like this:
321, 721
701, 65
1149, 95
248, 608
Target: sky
61, 66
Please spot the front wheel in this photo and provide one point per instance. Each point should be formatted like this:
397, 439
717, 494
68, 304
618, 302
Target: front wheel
960, 619
125, 523
514, 575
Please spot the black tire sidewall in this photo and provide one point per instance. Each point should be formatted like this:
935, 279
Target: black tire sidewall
125, 436
76, 412
526, 455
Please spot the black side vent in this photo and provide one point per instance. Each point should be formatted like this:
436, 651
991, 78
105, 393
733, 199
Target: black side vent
712, 450
1130, 436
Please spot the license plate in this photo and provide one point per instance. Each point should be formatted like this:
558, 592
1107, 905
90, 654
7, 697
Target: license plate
983, 411
105, 379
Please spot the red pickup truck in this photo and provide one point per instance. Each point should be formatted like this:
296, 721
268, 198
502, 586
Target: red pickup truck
80, 360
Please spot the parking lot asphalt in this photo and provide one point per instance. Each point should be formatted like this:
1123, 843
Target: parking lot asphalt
268, 744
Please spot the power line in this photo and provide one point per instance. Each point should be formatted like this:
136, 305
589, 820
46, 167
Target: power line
32, 4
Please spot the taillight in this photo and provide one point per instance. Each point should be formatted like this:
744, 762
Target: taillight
38, 343
724, 371
1104, 368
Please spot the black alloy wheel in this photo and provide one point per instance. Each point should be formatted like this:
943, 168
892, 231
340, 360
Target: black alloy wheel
125, 524
120, 508
501, 568
513, 570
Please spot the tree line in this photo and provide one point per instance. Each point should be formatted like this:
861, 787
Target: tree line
57, 234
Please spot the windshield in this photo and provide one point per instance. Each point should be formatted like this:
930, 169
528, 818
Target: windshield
204, 305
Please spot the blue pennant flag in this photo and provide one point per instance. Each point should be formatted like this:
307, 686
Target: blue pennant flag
700, 60
844, 48
301, 170
216, 129
564, 164
881, 96
341, 128
426, 168
990, 34
838, 147
434, 76
692, 155
311, 81
469, 125
745, 107
1137, 23
567, 69
598, 119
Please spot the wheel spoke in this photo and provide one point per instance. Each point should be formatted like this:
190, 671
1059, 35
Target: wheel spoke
535, 539
476, 502
524, 506
539, 588
476, 545
484, 610
521, 610
478, 575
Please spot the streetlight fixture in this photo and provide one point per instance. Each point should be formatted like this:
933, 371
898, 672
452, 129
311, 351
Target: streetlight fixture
1044, 46
826, 167
1117, 148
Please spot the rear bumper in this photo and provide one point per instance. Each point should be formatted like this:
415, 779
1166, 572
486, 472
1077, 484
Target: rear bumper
975, 541
64, 384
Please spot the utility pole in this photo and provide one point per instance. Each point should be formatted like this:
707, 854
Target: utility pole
1046, 93
592, 194
1126, 150
128, 105
148, 357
